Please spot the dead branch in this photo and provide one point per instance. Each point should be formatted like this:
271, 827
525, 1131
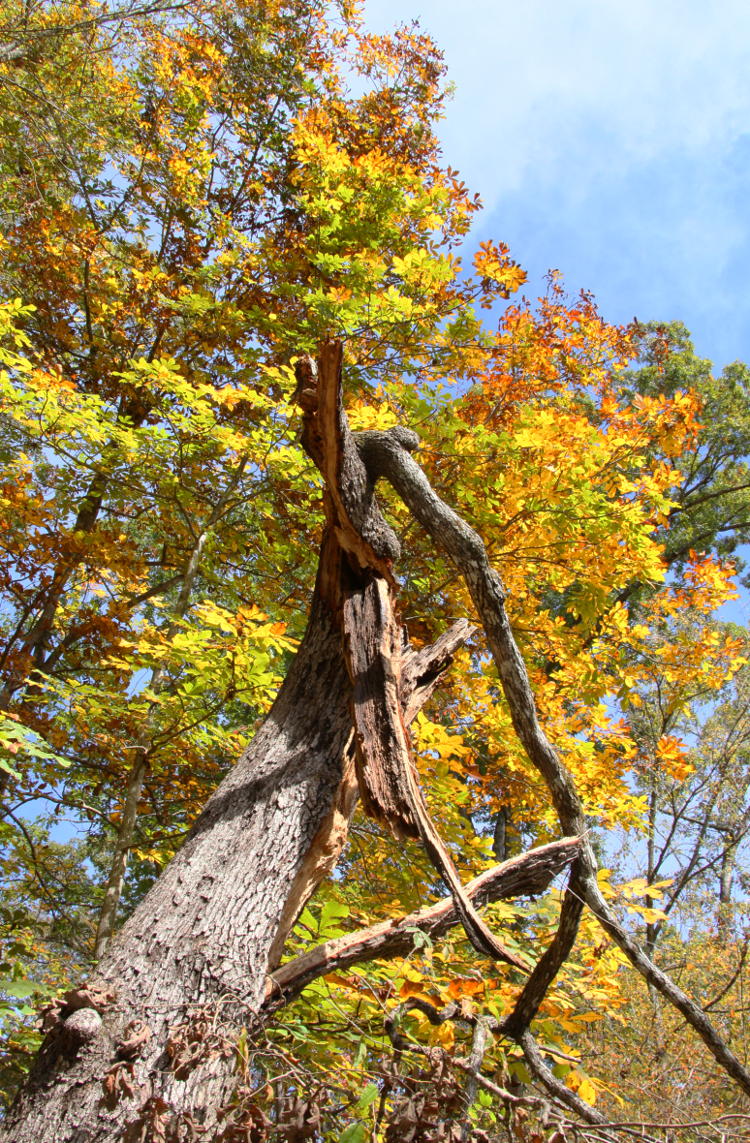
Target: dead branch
553, 1085
525, 875
385, 455
362, 599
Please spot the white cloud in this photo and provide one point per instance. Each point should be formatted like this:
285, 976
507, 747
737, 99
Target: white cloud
533, 80
610, 139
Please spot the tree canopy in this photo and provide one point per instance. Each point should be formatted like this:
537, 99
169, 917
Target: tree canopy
201, 201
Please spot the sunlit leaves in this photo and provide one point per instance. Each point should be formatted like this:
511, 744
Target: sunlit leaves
493, 264
192, 202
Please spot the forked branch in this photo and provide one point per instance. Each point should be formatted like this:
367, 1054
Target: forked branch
528, 874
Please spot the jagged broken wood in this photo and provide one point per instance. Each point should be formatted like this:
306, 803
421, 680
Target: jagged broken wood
205, 937
372, 633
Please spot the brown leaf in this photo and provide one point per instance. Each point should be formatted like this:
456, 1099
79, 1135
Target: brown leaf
152, 1124
136, 1035
118, 1085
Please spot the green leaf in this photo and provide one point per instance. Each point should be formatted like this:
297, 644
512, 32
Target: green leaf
354, 1133
20, 988
420, 939
368, 1097
332, 912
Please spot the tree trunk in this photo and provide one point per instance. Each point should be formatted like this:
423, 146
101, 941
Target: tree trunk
202, 941
726, 877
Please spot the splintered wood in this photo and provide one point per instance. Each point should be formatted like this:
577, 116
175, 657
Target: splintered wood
363, 600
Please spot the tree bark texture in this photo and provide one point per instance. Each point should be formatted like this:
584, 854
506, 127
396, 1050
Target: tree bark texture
202, 939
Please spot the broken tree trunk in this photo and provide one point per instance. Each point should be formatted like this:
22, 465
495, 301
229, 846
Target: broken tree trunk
372, 634
146, 1045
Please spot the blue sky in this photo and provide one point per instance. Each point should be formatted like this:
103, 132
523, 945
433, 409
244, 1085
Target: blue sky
609, 139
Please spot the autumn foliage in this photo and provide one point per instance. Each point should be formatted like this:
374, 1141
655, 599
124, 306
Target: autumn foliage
193, 197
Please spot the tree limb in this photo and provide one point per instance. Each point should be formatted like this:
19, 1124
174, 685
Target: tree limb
554, 1086
386, 454
525, 875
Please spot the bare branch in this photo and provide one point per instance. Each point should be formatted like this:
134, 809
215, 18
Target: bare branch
525, 875
384, 455
554, 1086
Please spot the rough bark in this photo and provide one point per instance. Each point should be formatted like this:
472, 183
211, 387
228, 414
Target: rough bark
206, 935
202, 938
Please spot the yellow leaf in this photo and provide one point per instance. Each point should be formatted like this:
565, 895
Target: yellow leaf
458, 988
445, 1036
580, 1083
413, 988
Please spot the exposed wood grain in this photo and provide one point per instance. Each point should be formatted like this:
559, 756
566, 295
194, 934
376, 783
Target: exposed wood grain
372, 634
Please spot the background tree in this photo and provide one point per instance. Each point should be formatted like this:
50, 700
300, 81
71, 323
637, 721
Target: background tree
161, 199
710, 511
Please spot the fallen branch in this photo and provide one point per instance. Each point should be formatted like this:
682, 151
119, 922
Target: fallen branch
362, 597
674, 1125
553, 1085
526, 875
549, 964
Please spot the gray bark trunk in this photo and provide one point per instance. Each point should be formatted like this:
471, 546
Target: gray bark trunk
726, 877
146, 1046
201, 941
